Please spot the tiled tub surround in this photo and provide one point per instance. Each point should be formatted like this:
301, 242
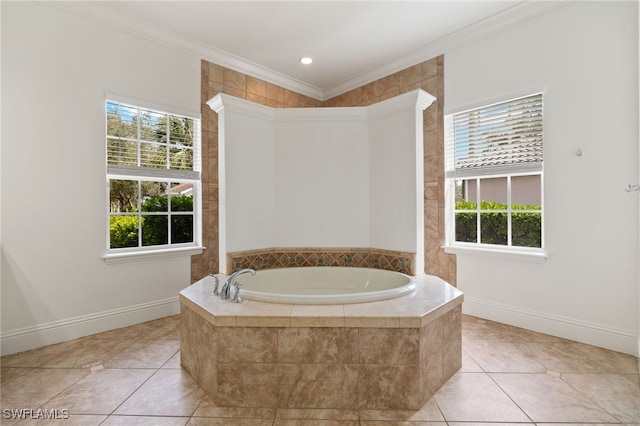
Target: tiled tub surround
310, 256
392, 354
428, 76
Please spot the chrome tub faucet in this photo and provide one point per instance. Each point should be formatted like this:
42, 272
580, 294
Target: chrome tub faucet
226, 288
236, 295
215, 289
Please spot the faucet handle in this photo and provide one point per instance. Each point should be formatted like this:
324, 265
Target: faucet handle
215, 289
236, 296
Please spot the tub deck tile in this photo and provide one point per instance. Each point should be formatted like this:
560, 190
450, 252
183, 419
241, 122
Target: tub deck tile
432, 298
262, 321
317, 316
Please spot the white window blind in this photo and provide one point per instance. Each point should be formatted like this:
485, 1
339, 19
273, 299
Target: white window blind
146, 142
504, 137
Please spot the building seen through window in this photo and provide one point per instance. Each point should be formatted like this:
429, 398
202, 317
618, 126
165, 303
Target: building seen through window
494, 171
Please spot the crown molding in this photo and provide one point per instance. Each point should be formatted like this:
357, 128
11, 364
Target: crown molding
105, 15
102, 13
515, 15
416, 98
223, 101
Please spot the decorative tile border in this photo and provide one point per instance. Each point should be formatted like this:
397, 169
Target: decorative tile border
295, 257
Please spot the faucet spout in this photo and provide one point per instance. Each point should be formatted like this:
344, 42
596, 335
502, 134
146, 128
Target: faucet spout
226, 288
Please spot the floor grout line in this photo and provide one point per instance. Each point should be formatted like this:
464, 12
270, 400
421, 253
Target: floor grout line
618, 364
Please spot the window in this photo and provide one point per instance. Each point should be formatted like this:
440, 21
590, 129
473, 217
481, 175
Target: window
494, 176
153, 175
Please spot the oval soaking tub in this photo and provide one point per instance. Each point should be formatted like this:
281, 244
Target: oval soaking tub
317, 285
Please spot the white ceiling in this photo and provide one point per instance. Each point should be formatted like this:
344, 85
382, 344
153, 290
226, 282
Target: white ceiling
349, 41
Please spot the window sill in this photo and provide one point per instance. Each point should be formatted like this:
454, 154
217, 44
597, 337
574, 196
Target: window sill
153, 254
538, 256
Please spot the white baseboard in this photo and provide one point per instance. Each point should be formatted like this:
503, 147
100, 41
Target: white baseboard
26, 338
616, 339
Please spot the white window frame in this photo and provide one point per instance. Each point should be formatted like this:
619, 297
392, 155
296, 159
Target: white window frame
114, 172
529, 254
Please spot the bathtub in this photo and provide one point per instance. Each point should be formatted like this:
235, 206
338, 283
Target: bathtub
383, 355
320, 285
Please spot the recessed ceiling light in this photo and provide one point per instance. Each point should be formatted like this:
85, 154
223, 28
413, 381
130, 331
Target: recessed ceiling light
306, 60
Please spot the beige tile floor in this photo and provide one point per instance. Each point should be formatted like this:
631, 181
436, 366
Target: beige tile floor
132, 376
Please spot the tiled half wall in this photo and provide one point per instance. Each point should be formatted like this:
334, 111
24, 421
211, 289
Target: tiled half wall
321, 367
294, 257
428, 76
